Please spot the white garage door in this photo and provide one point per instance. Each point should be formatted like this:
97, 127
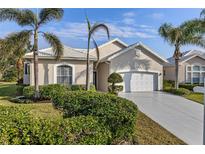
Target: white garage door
140, 82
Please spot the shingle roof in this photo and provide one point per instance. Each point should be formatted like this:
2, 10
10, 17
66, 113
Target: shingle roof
187, 55
69, 53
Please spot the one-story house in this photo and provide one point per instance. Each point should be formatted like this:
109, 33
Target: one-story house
191, 67
140, 67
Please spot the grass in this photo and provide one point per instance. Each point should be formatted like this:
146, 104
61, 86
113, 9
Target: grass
197, 97
147, 131
150, 132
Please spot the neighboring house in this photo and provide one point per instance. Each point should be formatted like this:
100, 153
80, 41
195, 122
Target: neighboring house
140, 67
191, 67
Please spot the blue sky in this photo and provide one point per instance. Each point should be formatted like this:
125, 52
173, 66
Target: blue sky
129, 25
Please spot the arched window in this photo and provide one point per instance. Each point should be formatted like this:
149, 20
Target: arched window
64, 74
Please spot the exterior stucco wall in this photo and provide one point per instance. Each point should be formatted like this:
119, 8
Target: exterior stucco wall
108, 49
102, 76
169, 73
146, 62
170, 70
47, 71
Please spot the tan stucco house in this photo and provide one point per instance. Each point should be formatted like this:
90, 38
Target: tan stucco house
140, 67
191, 67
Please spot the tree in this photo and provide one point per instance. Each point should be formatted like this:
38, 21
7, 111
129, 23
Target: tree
115, 78
25, 17
188, 33
91, 30
202, 14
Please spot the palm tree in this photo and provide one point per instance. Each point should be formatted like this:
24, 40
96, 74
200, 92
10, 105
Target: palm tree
91, 30
35, 21
188, 33
202, 14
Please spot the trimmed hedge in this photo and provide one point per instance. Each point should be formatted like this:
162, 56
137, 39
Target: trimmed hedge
19, 127
118, 114
46, 91
81, 87
189, 86
180, 91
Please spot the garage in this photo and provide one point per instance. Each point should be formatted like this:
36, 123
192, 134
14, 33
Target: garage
139, 81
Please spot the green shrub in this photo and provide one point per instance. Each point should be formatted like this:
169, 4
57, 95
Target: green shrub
10, 75
189, 86
19, 127
115, 89
118, 114
19, 90
180, 91
81, 87
113, 79
46, 91
167, 84
28, 92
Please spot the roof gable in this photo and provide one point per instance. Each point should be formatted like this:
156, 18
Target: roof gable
132, 47
109, 48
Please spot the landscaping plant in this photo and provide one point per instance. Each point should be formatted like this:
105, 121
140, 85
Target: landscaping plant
19, 127
115, 78
116, 113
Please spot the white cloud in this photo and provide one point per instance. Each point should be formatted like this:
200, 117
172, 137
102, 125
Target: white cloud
78, 30
128, 21
157, 16
129, 14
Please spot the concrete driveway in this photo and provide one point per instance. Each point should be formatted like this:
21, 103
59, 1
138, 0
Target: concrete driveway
182, 117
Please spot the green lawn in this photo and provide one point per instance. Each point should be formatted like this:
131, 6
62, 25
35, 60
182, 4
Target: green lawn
147, 131
197, 97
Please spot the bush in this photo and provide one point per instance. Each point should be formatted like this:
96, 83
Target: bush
10, 75
180, 91
113, 79
81, 87
189, 86
46, 91
115, 89
19, 127
19, 90
167, 84
118, 114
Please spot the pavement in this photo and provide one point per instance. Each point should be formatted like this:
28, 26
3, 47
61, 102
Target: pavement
180, 116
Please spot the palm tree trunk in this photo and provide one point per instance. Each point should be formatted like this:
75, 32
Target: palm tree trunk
176, 73
37, 95
87, 68
87, 72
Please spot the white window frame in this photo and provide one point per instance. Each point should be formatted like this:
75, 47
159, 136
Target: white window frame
192, 71
61, 64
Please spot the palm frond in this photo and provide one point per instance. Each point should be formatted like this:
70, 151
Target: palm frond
97, 52
88, 23
202, 14
198, 40
168, 32
49, 14
21, 17
18, 39
192, 27
98, 26
55, 44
